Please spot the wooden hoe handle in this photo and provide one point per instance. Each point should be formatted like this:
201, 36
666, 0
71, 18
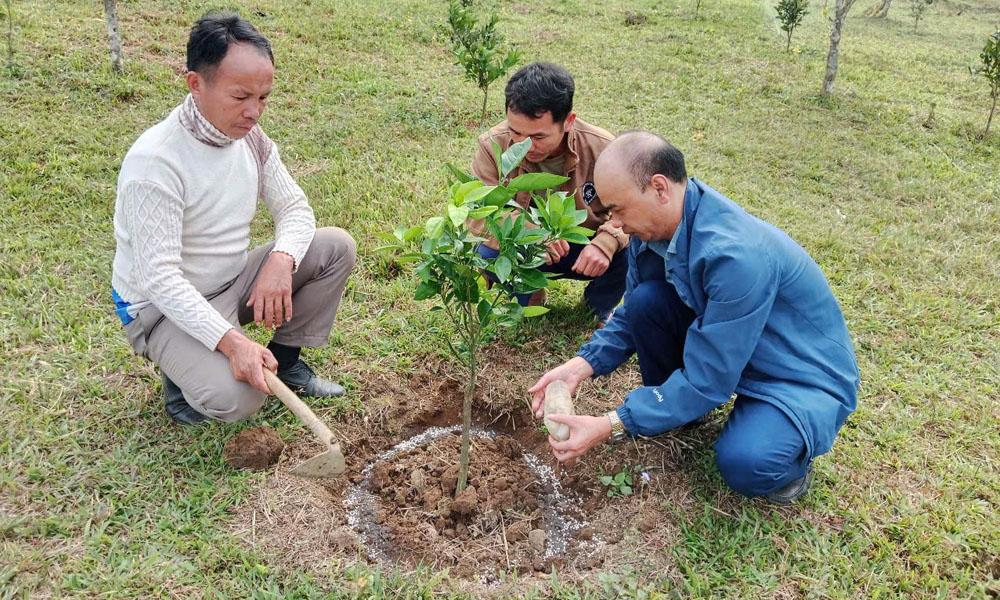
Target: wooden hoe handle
303, 412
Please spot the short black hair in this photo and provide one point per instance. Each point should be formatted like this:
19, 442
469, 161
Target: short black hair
539, 88
212, 35
650, 154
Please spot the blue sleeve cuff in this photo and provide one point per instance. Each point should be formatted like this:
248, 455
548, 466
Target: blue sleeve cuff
590, 355
626, 416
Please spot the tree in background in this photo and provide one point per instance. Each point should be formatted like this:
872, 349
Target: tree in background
114, 38
478, 49
840, 10
990, 69
917, 9
449, 267
790, 13
880, 11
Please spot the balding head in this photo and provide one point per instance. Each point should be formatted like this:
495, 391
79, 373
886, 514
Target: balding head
641, 180
644, 154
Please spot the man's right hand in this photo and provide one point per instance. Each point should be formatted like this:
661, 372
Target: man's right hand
556, 251
572, 372
247, 359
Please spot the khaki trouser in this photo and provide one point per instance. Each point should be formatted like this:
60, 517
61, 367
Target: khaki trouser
204, 375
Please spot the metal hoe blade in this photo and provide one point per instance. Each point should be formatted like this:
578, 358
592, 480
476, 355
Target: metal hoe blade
327, 464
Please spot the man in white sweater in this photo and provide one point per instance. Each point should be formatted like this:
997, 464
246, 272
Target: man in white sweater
183, 280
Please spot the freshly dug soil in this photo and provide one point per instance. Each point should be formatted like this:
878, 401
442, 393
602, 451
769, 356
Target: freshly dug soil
495, 523
257, 448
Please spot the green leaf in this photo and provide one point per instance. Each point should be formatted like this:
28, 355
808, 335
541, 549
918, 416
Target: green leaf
484, 310
555, 210
606, 480
425, 290
498, 197
502, 267
410, 257
460, 175
527, 182
457, 214
479, 193
626, 490
458, 196
393, 248
535, 311
480, 213
530, 236
534, 279
398, 232
434, 227
581, 231
513, 156
412, 233
575, 238
498, 155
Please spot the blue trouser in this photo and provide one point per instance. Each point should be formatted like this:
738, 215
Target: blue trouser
602, 294
759, 450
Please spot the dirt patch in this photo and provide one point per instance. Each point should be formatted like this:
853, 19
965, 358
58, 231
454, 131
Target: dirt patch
257, 448
496, 521
308, 524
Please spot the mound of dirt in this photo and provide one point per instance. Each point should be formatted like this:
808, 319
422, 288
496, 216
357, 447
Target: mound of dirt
257, 448
496, 522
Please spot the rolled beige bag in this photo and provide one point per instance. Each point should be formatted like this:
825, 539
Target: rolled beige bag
557, 402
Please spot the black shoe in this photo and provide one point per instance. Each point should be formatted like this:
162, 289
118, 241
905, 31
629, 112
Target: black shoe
177, 407
304, 382
793, 491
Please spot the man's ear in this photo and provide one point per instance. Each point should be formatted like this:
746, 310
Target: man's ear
568, 123
662, 185
195, 83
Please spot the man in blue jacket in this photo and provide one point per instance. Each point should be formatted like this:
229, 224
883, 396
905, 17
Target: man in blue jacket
717, 302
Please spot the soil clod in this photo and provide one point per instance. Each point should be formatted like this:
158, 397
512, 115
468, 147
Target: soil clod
257, 448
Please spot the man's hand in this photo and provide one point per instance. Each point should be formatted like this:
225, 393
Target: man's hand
247, 359
557, 250
271, 297
572, 372
592, 262
584, 433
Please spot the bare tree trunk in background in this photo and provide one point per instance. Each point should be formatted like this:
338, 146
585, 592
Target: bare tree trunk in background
10, 32
840, 13
881, 11
114, 38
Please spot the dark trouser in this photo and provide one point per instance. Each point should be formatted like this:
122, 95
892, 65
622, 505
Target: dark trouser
602, 294
759, 450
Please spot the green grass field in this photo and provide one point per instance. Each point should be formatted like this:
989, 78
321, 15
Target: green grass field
101, 495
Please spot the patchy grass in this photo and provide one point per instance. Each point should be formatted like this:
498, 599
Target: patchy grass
101, 495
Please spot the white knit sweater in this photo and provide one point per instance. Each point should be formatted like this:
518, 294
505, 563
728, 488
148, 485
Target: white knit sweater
186, 196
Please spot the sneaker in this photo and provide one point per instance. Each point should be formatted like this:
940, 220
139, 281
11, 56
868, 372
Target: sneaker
303, 381
793, 491
177, 407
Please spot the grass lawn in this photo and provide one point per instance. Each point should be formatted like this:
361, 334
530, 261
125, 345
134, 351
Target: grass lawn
101, 495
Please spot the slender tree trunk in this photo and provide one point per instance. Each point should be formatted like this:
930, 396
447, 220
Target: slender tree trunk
10, 32
840, 14
463, 457
788, 44
990, 120
881, 11
482, 115
114, 38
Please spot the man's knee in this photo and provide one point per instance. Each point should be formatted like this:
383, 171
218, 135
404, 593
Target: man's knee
227, 401
646, 300
750, 469
339, 244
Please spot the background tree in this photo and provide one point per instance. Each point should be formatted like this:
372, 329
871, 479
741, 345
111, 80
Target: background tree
114, 38
449, 267
477, 49
880, 11
790, 13
840, 10
917, 9
990, 69
10, 34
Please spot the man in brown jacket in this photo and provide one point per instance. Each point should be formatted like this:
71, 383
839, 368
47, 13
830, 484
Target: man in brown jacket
539, 103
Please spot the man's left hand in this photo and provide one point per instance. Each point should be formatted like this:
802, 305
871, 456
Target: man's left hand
584, 433
592, 262
271, 297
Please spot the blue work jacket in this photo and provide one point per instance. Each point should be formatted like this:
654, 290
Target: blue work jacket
766, 325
